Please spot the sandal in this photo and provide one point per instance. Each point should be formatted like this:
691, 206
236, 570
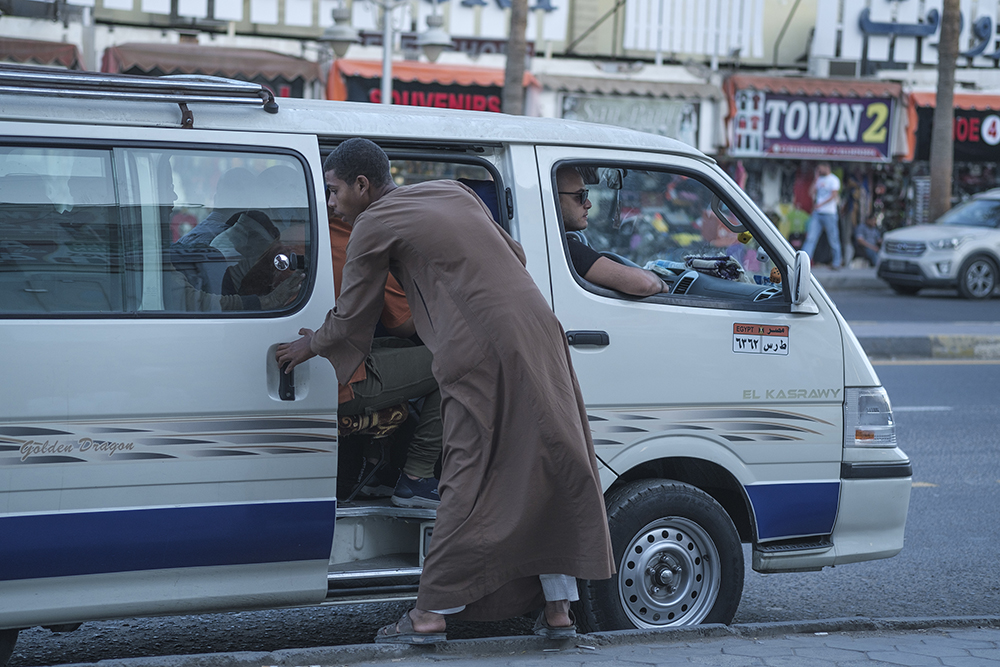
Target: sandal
402, 632
543, 629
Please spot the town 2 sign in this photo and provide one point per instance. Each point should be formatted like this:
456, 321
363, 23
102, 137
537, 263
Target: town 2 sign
800, 126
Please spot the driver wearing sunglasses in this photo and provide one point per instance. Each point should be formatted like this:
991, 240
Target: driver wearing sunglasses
589, 264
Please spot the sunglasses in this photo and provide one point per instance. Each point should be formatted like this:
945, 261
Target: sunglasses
580, 194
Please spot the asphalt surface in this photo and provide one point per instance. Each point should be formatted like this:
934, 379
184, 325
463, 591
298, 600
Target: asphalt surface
911, 338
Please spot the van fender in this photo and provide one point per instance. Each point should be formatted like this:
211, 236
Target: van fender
674, 446
671, 456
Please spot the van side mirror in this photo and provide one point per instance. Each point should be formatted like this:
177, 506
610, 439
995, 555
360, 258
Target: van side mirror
799, 278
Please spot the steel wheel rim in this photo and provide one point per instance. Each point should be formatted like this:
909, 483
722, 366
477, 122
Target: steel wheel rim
670, 574
979, 279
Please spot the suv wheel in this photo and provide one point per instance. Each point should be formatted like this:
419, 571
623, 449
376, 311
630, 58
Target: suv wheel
977, 279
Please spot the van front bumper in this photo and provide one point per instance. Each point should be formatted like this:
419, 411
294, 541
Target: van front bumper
871, 519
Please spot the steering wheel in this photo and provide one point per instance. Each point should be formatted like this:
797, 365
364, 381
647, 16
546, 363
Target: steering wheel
615, 257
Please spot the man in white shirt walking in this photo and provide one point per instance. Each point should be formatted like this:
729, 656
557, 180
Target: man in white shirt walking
825, 192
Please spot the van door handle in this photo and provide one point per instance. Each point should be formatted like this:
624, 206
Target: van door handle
598, 338
286, 384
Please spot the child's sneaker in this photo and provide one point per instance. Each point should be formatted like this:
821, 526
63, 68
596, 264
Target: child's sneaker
416, 492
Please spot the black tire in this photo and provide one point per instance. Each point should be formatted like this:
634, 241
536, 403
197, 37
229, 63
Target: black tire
685, 564
977, 279
7, 640
908, 290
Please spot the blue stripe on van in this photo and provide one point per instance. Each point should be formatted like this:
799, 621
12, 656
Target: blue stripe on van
793, 510
69, 544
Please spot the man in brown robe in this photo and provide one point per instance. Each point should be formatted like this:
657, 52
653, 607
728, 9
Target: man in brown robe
521, 503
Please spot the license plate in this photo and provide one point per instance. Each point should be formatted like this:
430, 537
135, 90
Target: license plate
896, 265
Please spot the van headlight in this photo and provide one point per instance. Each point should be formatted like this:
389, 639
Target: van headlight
868, 418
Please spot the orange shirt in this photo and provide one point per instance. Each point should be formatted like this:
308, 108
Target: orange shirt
395, 310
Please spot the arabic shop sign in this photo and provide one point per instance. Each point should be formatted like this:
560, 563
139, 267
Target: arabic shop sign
796, 126
976, 135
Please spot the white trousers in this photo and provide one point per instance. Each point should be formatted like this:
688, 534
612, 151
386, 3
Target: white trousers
554, 587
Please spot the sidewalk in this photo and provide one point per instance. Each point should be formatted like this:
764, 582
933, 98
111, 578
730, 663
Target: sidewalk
908, 340
850, 642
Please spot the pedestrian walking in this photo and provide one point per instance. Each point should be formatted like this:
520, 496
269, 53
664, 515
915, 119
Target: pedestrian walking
825, 192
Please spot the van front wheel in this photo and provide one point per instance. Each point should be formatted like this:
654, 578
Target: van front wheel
678, 556
7, 640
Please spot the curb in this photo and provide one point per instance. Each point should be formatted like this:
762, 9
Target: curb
942, 346
850, 279
483, 648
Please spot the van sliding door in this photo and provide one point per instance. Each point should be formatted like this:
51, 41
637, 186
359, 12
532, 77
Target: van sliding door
148, 464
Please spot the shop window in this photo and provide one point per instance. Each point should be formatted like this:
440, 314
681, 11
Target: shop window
668, 223
136, 231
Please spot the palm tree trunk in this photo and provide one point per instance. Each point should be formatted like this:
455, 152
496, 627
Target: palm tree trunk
513, 84
942, 156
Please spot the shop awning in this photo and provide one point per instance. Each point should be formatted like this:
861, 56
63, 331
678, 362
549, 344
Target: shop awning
978, 101
211, 60
964, 150
408, 71
624, 87
789, 85
40, 52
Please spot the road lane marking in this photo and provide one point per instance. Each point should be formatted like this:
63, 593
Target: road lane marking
924, 485
922, 408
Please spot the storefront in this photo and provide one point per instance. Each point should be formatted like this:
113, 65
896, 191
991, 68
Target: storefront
285, 76
424, 85
39, 52
780, 127
683, 111
976, 139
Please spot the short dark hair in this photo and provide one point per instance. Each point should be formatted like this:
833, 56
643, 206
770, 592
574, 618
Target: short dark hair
359, 157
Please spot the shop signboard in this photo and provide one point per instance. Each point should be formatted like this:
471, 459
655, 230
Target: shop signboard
677, 119
802, 127
420, 94
976, 135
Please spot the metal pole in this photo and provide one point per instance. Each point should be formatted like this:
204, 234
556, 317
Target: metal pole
387, 44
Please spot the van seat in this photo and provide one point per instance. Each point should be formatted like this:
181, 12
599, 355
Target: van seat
487, 191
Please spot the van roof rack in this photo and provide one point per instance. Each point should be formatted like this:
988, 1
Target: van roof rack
181, 89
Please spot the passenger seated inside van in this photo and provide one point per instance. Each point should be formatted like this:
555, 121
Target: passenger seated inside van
396, 370
195, 254
227, 265
589, 264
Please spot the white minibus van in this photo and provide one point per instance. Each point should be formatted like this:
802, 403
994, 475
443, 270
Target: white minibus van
154, 461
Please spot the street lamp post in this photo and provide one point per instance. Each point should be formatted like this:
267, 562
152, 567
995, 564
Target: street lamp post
341, 35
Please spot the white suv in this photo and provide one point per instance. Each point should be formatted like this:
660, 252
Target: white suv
961, 249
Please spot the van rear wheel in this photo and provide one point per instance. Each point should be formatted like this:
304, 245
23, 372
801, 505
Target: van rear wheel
678, 557
7, 640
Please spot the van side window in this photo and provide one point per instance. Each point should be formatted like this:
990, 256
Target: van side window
150, 231
475, 176
668, 223
60, 240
